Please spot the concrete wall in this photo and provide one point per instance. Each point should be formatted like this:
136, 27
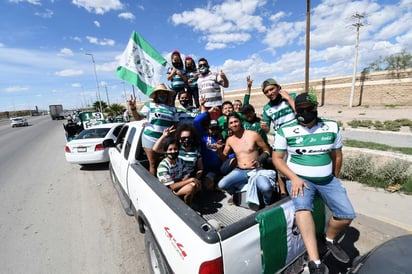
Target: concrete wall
373, 89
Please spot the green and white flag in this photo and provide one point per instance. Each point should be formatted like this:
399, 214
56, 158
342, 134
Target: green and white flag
280, 239
141, 65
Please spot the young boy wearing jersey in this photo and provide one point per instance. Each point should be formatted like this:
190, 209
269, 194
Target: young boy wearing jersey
171, 173
314, 158
280, 109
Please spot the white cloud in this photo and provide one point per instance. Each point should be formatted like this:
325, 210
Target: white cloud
127, 16
69, 72
102, 42
283, 33
96, 23
227, 23
76, 85
99, 7
33, 2
46, 14
16, 89
77, 39
65, 52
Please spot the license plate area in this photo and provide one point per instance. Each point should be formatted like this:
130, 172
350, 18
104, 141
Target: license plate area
81, 149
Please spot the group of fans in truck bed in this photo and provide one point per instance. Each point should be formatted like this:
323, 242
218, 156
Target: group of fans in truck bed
207, 144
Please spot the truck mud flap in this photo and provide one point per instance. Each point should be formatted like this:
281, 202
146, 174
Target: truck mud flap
280, 240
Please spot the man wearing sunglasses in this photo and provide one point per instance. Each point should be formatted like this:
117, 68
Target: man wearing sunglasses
209, 84
313, 147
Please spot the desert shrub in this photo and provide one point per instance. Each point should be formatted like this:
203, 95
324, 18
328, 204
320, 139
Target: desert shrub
379, 125
392, 126
404, 122
393, 172
361, 123
355, 168
407, 187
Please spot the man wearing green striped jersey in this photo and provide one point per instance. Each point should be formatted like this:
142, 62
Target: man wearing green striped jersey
314, 158
281, 107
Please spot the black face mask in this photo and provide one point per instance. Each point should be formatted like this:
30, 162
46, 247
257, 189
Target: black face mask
172, 155
307, 116
277, 100
184, 102
186, 142
178, 65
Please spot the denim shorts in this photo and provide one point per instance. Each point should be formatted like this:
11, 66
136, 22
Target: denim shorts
146, 143
333, 194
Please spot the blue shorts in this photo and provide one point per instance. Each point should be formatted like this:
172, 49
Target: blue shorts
333, 194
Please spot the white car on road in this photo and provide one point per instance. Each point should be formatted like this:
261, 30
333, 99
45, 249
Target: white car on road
19, 122
87, 147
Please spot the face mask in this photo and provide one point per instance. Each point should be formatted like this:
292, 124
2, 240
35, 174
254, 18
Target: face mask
203, 70
162, 99
177, 64
277, 100
307, 116
186, 142
184, 102
172, 155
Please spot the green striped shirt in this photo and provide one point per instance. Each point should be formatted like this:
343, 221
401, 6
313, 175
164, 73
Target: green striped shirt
308, 149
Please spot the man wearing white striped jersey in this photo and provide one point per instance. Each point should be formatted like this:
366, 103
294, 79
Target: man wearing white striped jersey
314, 158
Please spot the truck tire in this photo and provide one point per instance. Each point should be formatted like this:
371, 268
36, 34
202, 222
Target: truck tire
155, 258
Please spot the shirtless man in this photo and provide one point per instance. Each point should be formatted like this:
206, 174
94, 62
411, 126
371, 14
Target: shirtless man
245, 144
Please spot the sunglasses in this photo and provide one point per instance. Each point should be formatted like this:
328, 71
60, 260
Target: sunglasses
202, 65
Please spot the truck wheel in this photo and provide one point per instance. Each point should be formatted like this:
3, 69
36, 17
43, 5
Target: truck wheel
156, 260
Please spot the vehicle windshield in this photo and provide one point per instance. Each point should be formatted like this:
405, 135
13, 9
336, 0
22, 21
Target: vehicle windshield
93, 133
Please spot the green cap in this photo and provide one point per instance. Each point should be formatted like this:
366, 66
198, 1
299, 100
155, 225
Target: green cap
269, 82
306, 98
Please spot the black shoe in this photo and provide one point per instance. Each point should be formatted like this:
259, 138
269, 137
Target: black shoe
318, 268
337, 251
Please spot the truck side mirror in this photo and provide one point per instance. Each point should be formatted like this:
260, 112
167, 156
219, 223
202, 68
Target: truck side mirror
108, 143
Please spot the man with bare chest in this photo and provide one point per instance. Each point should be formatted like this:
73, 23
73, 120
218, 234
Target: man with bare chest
250, 151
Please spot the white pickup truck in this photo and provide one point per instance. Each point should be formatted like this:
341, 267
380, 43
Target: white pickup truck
216, 238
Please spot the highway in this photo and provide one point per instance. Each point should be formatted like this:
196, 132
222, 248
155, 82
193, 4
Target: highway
56, 217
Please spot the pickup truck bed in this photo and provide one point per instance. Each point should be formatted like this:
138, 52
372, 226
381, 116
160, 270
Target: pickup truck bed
211, 235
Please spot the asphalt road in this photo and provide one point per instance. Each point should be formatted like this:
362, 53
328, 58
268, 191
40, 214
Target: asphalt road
56, 217
395, 139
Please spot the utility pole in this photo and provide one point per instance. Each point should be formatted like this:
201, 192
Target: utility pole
307, 45
97, 82
107, 95
358, 17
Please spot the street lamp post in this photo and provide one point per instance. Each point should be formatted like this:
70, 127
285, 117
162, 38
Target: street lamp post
97, 82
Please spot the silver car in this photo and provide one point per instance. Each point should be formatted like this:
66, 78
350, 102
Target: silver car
19, 122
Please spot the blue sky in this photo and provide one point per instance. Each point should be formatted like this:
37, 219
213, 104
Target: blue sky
43, 42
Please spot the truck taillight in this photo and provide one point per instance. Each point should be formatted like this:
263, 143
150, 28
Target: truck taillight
99, 147
212, 267
67, 149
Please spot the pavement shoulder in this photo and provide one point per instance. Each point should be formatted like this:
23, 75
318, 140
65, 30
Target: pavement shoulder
390, 208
